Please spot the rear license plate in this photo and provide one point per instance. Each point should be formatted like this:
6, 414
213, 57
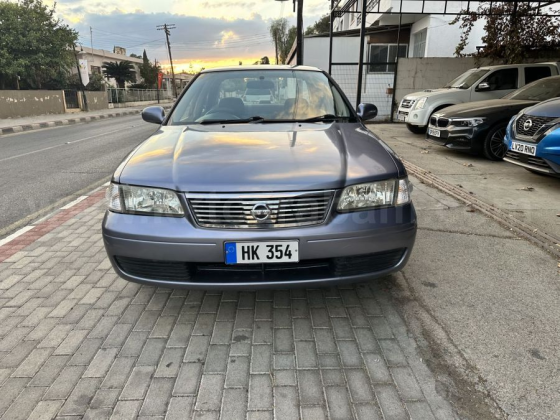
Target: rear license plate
434, 133
261, 252
402, 116
526, 149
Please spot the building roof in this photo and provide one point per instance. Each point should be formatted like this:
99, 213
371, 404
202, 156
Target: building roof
261, 67
108, 55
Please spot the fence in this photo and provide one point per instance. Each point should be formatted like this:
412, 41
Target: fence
377, 84
118, 95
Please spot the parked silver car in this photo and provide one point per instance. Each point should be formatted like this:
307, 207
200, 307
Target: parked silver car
228, 194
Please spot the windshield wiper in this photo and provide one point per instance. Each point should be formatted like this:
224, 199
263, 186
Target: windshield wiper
254, 119
319, 118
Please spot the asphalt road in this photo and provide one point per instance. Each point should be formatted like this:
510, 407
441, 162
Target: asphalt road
40, 168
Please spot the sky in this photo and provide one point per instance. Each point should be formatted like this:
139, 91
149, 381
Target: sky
209, 33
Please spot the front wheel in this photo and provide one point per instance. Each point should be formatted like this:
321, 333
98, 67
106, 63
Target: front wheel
416, 129
494, 147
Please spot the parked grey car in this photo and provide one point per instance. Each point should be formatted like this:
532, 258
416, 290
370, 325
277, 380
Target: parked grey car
228, 194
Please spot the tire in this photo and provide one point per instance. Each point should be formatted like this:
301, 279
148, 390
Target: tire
416, 129
494, 147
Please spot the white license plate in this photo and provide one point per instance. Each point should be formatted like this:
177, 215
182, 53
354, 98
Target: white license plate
435, 133
401, 117
526, 149
261, 252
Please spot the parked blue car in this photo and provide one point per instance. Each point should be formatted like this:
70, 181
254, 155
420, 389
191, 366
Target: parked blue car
533, 138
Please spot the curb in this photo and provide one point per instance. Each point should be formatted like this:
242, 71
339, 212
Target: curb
68, 121
31, 233
544, 240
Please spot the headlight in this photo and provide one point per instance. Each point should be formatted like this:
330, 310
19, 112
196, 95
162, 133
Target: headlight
420, 104
467, 122
143, 200
375, 194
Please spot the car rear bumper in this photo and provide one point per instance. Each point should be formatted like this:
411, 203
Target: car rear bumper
171, 252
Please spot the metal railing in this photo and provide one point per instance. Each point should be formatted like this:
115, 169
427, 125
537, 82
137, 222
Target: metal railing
118, 95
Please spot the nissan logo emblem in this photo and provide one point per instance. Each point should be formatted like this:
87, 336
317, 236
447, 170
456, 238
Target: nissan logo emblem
260, 211
527, 125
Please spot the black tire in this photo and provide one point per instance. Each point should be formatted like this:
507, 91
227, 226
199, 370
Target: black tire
416, 129
494, 147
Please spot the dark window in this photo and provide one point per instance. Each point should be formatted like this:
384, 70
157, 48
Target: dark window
503, 79
95, 70
536, 73
382, 55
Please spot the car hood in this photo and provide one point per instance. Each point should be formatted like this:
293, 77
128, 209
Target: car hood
428, 93
549, 108
259, 157
484, 108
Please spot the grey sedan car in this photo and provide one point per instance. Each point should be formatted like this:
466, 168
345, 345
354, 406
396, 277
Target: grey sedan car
233, 194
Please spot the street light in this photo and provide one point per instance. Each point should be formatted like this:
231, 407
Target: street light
299, 42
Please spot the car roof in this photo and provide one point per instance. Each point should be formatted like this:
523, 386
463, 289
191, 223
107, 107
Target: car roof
261, 67
505, 66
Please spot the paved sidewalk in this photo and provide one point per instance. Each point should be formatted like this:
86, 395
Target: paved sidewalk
78, 342
18, 125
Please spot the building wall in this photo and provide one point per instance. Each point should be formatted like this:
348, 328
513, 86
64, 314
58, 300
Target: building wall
97, 100
417, 74
98, 57
25, 103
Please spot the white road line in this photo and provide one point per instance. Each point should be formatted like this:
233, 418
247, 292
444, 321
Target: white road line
15, 235
73, 203
63, 144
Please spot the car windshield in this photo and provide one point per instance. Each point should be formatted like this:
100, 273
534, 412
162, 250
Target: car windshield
540, 90
467, 79
292, 95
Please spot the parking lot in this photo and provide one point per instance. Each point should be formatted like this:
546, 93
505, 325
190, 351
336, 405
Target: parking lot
465, 331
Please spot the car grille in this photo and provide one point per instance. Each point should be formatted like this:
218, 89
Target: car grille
177, 271
536, 162
285, 210
439, 122
537, 124
407, 103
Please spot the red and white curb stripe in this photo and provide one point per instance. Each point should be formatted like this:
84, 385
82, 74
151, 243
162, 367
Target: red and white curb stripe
30, 233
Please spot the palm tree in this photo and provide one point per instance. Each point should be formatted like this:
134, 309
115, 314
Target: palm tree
122, 72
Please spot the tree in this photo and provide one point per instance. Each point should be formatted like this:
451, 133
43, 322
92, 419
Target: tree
34, 45
136, 55
148, 72
122, 72
512, 32
283, 38
322, 26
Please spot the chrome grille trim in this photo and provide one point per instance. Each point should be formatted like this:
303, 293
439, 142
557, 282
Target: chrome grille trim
233, 211
407, 103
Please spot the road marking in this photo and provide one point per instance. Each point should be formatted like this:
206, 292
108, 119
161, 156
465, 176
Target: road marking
63, 144
73, 203
15, 235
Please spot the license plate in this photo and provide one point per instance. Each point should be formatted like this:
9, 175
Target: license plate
401, 117
434, 133
526, 149
261, 252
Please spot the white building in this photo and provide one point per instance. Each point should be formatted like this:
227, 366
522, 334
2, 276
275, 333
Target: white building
428, 33
95, 59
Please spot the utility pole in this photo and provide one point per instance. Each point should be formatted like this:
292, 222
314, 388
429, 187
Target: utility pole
167, 28
91, 41
80, 79
157, 78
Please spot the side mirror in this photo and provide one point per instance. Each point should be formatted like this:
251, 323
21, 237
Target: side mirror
153, 114
482, 87
367, 111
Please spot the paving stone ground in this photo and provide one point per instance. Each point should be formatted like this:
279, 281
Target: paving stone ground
78, 342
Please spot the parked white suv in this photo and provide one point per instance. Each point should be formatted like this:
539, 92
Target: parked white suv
489, 82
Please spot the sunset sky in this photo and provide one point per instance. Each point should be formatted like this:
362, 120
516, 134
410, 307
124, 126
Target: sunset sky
209, 33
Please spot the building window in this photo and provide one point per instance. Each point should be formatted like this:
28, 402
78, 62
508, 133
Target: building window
95, 70
381, 57
420, 43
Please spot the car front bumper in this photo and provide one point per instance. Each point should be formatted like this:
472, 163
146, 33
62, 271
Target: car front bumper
349, 247
457, 138
413, 116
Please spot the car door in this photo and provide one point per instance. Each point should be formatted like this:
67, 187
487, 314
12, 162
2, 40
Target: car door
496, 84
